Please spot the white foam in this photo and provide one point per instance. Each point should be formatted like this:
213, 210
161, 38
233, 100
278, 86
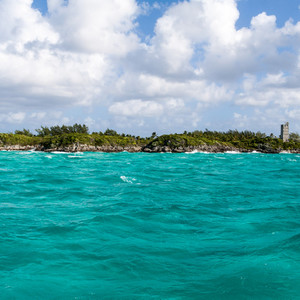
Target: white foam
26, 152
60, 152
49, 156
193, 152
127, 179
232, 152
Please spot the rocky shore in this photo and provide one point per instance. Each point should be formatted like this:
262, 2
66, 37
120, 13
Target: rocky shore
72, 148
216, 148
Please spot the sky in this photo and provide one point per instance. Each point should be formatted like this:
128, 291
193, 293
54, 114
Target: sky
143, 66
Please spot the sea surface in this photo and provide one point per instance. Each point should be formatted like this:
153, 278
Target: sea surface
149, 226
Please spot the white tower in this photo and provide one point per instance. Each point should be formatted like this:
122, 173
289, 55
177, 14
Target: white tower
285, 135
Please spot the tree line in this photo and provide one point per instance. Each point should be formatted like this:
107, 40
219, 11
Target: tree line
55, 136
83, 129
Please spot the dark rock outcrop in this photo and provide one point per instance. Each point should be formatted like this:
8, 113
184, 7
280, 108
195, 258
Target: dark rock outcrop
150, 148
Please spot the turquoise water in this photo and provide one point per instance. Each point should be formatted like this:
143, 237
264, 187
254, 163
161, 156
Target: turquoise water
140, 226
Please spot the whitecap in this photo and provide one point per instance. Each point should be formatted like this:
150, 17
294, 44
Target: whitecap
26, 152
232, 152
193, 152
60, 152
127, 179
285, 152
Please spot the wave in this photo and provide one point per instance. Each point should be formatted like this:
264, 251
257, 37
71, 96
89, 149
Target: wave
232, 152
197, 151
60, 152
128, 179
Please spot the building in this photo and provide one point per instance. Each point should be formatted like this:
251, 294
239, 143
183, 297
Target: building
285, 135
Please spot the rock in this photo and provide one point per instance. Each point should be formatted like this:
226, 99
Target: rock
166, 149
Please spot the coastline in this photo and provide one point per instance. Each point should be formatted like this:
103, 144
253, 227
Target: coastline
216, 148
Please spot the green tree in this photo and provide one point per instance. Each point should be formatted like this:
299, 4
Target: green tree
295, 137
110, 132
24, 132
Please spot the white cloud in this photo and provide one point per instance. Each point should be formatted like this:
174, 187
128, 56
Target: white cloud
293, 114
136, 108
95, 26
12, 117
156, 5
241, 121
90, 122
38, 115
20, 25
87, 53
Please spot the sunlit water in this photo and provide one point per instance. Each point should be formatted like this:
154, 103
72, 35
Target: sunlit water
159, 226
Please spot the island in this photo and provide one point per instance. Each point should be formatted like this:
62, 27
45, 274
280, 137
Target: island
77, 138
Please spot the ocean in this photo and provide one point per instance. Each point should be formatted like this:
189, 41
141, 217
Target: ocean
149, 226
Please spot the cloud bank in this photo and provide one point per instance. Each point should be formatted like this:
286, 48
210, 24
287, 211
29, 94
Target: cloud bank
85, 60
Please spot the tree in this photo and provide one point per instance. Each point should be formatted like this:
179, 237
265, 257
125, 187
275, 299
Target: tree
43, 131
59, 130
294, 137
78, 128
110, 132
24, 132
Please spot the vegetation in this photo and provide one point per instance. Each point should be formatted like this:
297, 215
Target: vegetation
246, 140
60, 130
63, 136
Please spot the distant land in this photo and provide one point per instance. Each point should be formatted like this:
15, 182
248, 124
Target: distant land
77, 138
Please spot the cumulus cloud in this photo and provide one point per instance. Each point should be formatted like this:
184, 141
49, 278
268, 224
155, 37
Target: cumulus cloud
52, 59
88, 54
12, 117
95, 26
136, 108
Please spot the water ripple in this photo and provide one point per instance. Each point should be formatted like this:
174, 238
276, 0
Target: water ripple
139, 226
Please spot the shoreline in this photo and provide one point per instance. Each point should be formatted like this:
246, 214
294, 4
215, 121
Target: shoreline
217, 148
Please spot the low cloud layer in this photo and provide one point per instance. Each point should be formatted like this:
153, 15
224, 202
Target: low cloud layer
86, 61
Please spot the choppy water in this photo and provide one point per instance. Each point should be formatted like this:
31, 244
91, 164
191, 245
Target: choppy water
140, 226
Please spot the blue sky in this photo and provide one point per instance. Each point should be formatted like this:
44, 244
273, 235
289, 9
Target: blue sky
143, 66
